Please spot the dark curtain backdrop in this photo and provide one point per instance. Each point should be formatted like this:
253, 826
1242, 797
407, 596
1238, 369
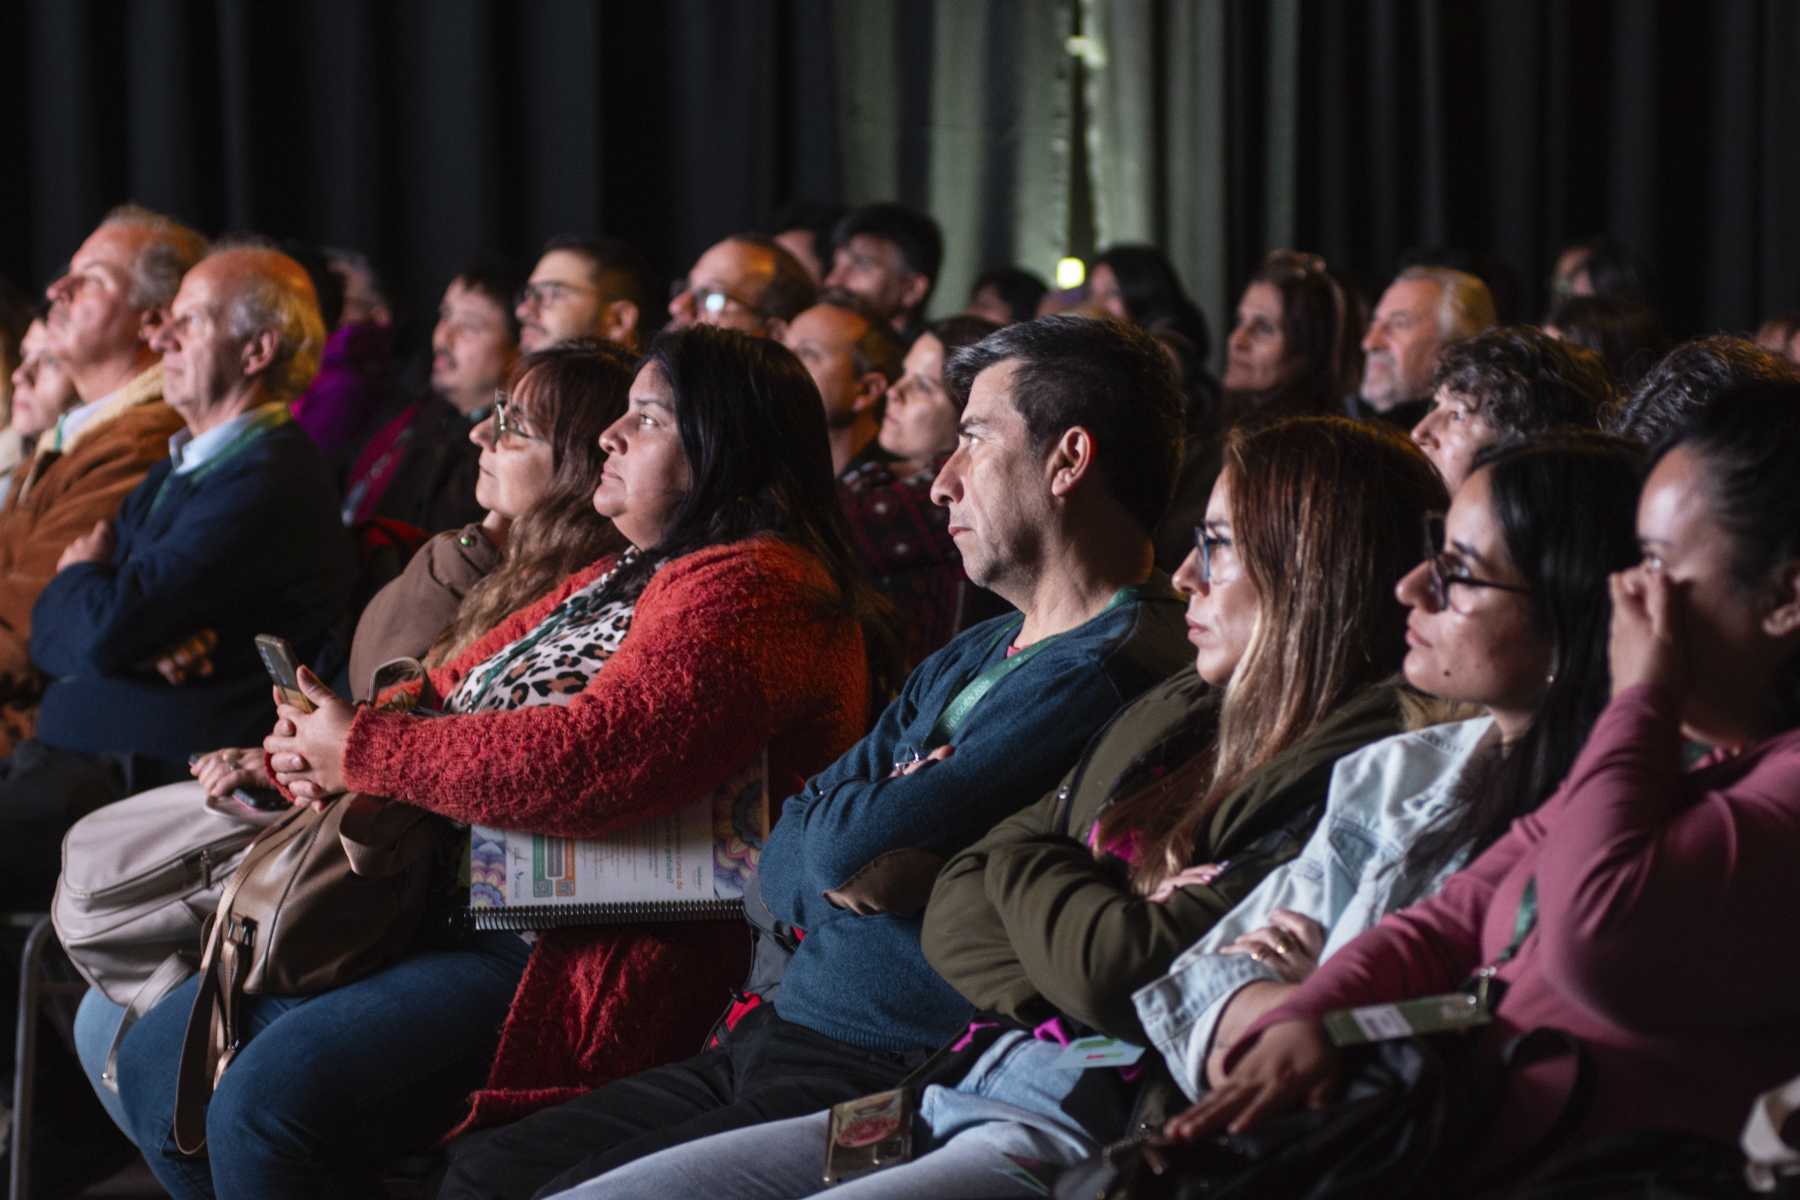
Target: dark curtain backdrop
425, 131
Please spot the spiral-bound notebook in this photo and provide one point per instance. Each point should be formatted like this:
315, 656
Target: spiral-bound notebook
690, 865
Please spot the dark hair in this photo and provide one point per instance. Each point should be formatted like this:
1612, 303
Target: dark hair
790, 290
1748, 440
818, 220
619, 270
1109, 378
1153, 293
1536, 488
1627, 335
16, 316
753, 432
1320, 328
918, 237
499, 280
1613, 269
1523, 381
954, 333
570, 392
1019, 289
1324, 512
1671, 396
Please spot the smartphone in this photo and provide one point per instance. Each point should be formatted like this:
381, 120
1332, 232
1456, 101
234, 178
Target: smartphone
278, 659
261, 799
869, 1134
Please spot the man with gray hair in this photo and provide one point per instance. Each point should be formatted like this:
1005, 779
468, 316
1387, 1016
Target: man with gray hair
117, 283
1422, 311
236, 532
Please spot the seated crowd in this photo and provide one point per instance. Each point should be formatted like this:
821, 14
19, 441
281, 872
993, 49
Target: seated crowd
1139, 748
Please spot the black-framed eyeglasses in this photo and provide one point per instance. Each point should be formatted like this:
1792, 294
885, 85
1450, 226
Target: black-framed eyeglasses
1444, 574
1208, 545
549, 292
506, 422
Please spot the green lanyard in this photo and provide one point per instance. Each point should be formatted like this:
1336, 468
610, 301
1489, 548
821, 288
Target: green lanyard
973, 692
1524, 922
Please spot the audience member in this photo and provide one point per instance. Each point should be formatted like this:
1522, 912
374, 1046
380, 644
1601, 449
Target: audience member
747, 282
729, 627
1057, 914
1600, 266
1634, 861
355, 379
1005, 295
100, 449
804, 230
1424, 310
852, 356
1780, 334
1139, 284
421, 466
41, 393
1510, 382
1292, 352
16, 316
888, 256
1673, 393
232, 533
586, 287
1509, 612
1066, 455
901, 537
1627, 335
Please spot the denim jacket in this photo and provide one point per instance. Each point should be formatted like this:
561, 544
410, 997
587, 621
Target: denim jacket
1347, 878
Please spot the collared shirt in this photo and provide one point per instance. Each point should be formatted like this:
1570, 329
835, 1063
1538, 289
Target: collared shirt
190, 452
70, 423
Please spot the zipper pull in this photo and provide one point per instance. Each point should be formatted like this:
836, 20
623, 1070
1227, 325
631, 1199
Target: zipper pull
206, 868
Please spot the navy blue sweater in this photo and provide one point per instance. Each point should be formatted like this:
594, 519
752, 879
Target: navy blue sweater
250, 545
864, 979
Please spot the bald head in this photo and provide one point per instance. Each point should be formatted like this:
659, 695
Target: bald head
243, 330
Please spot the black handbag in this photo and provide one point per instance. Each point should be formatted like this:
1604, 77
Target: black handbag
1407, 1119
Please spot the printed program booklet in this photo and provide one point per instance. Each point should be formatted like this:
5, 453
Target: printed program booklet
689, 865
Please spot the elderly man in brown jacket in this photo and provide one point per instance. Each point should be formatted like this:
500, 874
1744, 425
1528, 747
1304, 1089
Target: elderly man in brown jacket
121, 277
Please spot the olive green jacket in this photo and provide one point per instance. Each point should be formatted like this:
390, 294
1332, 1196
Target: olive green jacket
1030, 923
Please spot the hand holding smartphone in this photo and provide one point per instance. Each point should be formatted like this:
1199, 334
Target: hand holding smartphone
278, 659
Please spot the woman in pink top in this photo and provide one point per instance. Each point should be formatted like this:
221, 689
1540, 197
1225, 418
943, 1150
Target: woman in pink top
1665, 896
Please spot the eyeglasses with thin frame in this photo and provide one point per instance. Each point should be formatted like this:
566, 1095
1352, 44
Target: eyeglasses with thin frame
549, 291
1444, 574
1209, 544
506, 425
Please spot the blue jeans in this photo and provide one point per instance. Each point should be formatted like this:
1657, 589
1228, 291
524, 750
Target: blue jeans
329, 1087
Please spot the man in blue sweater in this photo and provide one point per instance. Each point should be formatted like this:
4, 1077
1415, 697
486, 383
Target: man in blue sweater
1066, 457
236, 532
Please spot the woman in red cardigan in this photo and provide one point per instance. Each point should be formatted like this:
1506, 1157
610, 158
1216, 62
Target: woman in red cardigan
1664, 896
733, 622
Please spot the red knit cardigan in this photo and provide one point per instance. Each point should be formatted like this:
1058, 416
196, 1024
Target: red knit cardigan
728, 651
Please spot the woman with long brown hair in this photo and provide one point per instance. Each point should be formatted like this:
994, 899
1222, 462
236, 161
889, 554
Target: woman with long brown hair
1064, 909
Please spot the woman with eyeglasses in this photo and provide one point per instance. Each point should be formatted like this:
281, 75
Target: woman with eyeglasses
1646, 907
732, 624
1061, 911
1508, 613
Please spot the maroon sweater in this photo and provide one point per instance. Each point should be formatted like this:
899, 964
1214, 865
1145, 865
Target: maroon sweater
1666, 903
728, 652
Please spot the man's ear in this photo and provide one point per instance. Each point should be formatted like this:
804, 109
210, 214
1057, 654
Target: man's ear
1783, 618
1070, 460
914, 291
259, 351
619, 322
869, 391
